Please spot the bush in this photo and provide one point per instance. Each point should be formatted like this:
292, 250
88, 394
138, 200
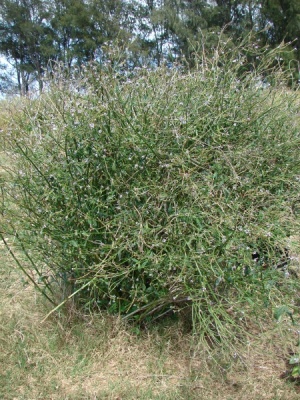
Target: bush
150, 193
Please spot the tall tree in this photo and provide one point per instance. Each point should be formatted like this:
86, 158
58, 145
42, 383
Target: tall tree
7, 83
282, 17
34, 32
24, 37
70, 24
280, 21
239, 17
74, 32
172, 28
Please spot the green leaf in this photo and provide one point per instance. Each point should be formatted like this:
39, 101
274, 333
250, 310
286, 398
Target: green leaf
295, 359
280, 311
296, 372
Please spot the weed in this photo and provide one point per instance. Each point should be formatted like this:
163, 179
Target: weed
148, 196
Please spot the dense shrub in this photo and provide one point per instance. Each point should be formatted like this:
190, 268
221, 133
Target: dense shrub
147, 193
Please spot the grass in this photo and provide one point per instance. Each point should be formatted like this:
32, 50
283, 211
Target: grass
76, 357
96, 357
75, 354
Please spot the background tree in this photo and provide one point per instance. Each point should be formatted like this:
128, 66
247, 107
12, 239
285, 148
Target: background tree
7, 83
74, 32
34, 32
280, 21
80, 28
282, 17
24, 39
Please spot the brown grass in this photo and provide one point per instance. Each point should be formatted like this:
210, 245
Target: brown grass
97, 357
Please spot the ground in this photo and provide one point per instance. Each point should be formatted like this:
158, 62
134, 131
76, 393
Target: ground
71, 356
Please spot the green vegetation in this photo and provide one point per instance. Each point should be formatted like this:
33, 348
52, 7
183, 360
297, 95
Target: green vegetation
36, 35
73, 356
148, 196
154, 209
149, 200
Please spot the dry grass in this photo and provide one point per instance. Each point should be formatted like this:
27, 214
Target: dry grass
4, 121
85, 357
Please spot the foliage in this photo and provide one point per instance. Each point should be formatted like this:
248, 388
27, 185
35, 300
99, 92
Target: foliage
294, 359
148, 195
7, 83
34, 34
24, 37
37, 34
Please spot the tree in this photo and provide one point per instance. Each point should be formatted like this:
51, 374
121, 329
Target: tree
280, 21
34, 33
24, 39
68, 18
282, 17
7, 83
172, 28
